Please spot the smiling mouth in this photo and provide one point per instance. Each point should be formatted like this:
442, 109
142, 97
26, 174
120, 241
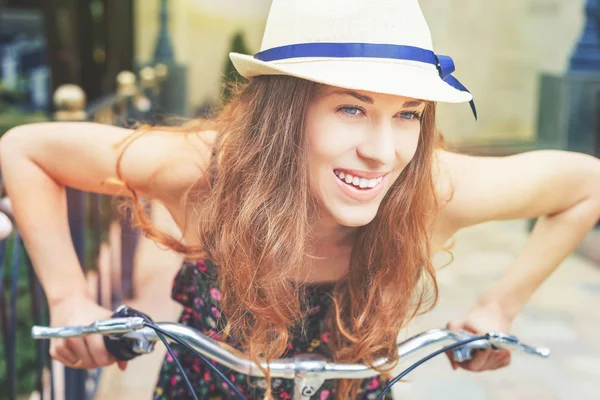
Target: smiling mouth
357, 182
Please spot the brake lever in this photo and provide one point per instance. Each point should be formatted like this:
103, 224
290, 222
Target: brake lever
129, 346
495, 341
510, 342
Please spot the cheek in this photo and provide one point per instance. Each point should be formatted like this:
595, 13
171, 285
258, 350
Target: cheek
320, 156
326, 142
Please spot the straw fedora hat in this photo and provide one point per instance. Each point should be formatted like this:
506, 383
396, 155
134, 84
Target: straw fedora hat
381, 46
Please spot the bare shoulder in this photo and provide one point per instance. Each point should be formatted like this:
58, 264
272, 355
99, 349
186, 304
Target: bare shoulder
474, 189
174, 162
165, 165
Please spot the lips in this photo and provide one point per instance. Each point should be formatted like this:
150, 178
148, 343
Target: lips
360, 194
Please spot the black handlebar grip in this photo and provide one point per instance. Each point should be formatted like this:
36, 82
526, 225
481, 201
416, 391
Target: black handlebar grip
122, 348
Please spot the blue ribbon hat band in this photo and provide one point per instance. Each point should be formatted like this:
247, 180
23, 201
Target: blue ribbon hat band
444, 64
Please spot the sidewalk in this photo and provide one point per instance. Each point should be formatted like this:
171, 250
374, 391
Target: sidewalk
563, 315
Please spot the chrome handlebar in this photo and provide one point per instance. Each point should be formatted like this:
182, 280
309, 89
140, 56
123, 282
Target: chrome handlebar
289, 368
308, 371
105, 327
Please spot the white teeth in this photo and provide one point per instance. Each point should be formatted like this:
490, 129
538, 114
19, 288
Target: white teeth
362, 183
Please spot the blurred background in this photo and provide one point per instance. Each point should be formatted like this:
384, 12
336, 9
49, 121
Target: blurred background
533, 67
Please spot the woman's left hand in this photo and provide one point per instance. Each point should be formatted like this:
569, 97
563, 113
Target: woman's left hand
480, 320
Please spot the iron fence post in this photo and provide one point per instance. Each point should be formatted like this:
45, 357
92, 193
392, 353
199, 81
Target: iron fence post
70, 101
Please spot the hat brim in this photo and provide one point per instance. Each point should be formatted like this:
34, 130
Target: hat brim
378, 76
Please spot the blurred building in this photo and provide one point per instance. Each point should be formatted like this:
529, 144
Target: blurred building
500, 49
24, 70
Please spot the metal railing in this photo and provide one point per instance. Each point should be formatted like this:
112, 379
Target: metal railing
97, 227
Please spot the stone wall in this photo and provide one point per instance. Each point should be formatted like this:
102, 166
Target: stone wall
500, 49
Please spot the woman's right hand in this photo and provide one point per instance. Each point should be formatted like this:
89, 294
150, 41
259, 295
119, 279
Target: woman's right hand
87, 352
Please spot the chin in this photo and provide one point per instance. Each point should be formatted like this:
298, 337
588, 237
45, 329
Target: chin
354, 218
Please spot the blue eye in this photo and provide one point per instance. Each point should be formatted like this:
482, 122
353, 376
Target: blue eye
410, 115
351, 111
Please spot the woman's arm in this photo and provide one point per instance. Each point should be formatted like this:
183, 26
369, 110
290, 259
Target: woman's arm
561, 188
38, 161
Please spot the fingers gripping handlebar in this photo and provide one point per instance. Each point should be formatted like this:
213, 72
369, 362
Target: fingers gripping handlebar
131, 346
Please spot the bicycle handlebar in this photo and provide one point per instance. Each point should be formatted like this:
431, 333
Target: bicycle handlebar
135, 328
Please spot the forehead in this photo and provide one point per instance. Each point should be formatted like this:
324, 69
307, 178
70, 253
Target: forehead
326, 92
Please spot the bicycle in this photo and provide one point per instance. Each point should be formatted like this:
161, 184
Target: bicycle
131, 333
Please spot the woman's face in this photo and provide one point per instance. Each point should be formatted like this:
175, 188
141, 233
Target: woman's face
359, 143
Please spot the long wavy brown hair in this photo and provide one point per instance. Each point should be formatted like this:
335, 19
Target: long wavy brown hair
255, 224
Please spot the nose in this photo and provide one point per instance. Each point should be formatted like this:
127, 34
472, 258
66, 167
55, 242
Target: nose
378, 145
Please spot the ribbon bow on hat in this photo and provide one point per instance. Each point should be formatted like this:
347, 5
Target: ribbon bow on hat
446, 67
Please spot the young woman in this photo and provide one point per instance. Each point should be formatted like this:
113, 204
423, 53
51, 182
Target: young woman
311, 206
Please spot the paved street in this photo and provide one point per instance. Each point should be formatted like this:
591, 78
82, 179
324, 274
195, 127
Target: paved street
563, 315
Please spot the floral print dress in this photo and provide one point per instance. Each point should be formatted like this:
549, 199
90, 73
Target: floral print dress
195, 287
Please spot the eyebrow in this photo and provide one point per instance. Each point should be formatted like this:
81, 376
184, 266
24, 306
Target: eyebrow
369, 100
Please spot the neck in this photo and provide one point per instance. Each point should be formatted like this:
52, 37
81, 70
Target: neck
330, 246
328, 237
